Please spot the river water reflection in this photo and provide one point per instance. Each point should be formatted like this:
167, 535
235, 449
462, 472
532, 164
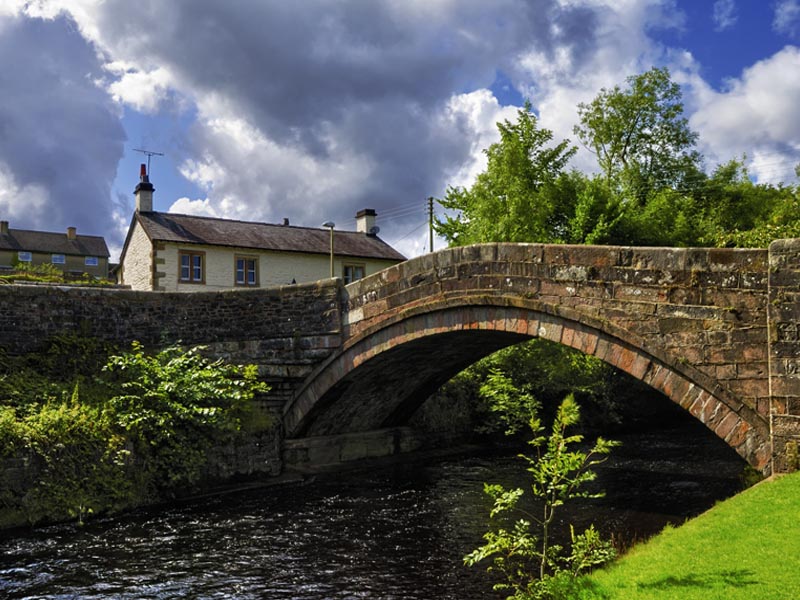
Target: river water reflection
397, 532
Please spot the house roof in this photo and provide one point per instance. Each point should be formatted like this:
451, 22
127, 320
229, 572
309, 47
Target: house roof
188, 229
53, 243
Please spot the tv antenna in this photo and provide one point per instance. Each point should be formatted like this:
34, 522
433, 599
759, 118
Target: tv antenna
149, 153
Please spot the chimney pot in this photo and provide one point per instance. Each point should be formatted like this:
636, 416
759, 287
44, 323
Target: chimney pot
72, 233
3, 227
285, 221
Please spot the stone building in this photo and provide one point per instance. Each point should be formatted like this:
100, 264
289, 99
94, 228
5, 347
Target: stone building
185, 253
70, 252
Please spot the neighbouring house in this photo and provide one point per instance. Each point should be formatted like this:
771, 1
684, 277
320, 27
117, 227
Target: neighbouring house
70, 252
173, 252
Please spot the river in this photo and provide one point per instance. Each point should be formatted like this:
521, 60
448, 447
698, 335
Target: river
397, 532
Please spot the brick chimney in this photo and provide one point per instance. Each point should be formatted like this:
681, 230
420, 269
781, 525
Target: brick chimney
144, 192
3, 227
72, 234
365, 220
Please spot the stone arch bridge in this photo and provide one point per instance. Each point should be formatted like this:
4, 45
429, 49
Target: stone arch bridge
712, 329
715, 330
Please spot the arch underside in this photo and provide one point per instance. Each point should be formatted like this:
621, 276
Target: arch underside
380, 378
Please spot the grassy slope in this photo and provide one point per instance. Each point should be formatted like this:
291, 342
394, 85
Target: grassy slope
745, 548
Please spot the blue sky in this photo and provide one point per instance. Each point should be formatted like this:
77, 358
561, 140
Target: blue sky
314, 110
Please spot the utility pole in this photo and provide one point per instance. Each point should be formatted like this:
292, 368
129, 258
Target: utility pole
430, 221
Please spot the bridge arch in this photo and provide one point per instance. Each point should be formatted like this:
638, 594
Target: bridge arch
409, 354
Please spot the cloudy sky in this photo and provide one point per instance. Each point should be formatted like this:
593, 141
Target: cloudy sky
315, 109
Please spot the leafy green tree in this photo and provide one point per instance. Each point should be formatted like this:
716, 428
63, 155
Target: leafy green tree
522, 196
639, 134
524, 553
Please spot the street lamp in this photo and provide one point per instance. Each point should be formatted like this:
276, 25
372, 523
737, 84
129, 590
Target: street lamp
330, 225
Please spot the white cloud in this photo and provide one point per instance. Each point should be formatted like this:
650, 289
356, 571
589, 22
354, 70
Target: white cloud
725, 15
787, 17
22, 206
143, 90
200, 208
758, 115
478, 113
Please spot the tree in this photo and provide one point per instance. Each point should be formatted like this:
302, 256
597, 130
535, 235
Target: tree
639, 134
522, 196
525, 554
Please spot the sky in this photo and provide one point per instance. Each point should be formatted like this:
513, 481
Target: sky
315, 109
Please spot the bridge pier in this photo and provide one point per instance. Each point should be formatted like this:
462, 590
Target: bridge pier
784, 353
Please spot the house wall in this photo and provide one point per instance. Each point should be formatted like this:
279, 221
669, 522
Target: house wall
136, 269
8, 258
275, 268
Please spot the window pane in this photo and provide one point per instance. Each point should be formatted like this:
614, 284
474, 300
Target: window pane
91, 261
58, 259
24, 256
251, 272
240, 270
185, 267
197, 265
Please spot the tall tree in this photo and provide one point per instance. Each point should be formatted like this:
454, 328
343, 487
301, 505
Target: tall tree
523, 193
642, 140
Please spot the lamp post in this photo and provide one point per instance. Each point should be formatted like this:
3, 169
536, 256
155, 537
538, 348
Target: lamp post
330, 225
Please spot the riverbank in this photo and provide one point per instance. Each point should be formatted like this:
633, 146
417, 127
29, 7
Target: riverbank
743, 548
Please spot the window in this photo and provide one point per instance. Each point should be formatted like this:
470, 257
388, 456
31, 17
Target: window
90, 261
246, 271
192, 267
351, 273
24, 256
58, 259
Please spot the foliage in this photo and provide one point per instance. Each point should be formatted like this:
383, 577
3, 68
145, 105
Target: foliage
174, 404
48, 273
532, 565
514, 404
640, 137
517, 381
140, 429
84, 463
522, 193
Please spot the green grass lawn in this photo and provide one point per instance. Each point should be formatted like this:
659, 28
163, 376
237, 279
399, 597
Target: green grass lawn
745, 548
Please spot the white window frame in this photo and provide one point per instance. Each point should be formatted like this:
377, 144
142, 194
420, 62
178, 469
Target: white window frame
193, 268
58, 259
246, 276
91, 261
23, 256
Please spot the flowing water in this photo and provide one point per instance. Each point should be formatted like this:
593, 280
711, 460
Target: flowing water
395, 532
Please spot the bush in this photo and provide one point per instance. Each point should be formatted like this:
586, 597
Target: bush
138, 431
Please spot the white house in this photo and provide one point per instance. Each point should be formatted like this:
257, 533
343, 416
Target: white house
173, 252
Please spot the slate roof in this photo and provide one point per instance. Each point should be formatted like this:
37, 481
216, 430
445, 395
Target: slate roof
53, 243
188, 229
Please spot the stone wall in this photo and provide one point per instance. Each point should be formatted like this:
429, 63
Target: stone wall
284, 330
784, 351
